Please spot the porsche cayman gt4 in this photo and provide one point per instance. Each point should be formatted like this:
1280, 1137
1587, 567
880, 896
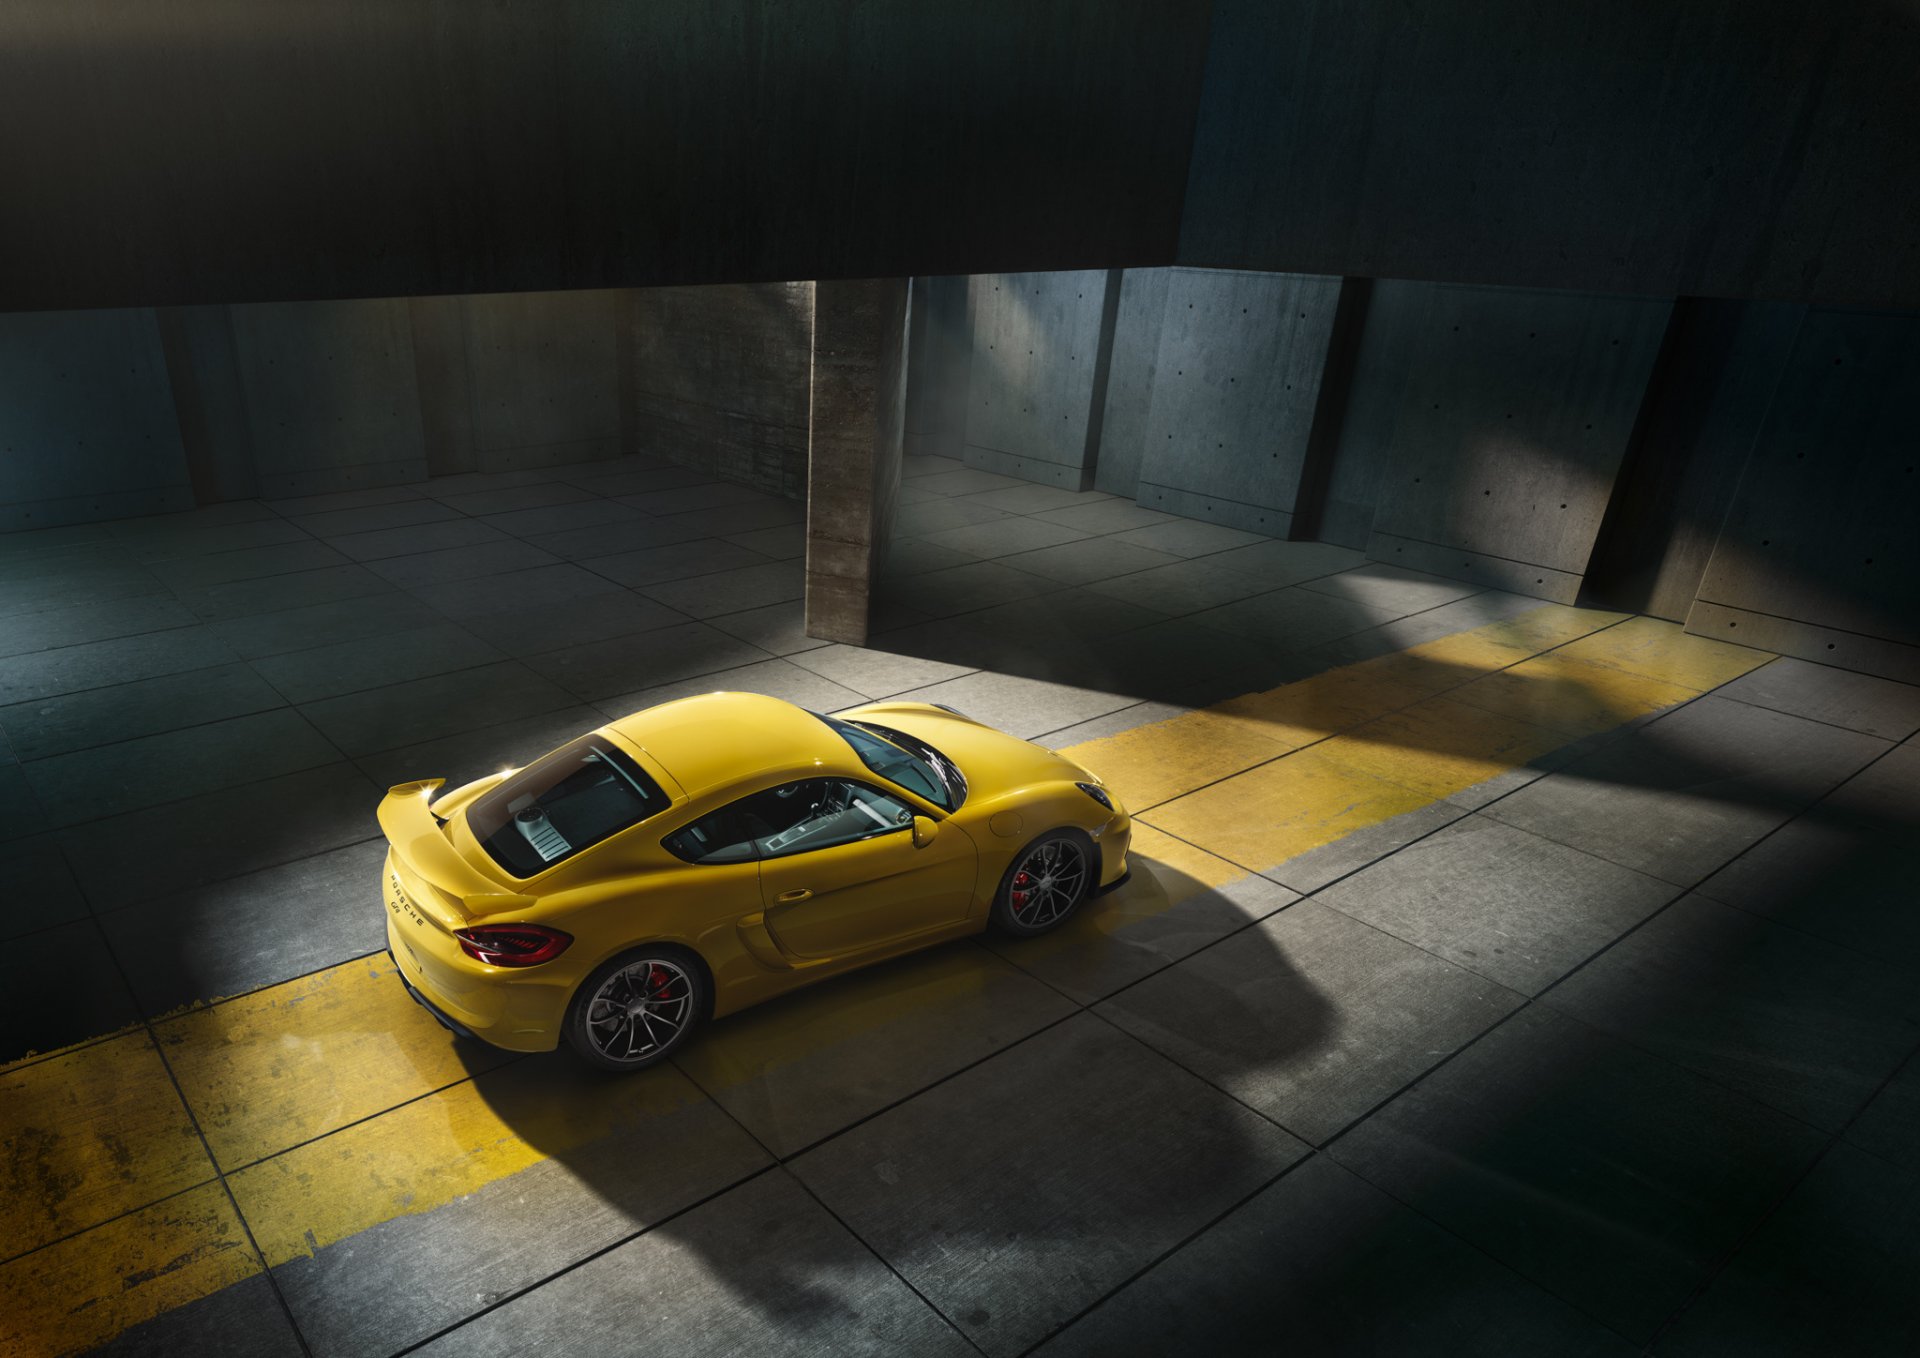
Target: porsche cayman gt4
706, 854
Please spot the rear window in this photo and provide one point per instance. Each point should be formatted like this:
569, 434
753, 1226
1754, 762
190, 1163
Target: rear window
562, 803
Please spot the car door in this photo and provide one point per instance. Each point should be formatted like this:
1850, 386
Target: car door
846, 877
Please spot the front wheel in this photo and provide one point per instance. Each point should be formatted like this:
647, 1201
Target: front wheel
1048, 880
638, 1009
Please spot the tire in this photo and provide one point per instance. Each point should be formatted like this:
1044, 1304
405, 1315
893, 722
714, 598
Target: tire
1046, 882
639, 1008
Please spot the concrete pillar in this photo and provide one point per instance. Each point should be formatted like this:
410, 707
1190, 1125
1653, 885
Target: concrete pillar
856, 422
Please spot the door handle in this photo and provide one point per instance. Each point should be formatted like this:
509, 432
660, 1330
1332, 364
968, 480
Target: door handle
788, 897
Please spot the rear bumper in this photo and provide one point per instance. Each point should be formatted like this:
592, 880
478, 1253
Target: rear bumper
440, 1016
492, 1009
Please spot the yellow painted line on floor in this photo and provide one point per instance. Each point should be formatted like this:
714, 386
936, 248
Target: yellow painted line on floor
292, 1062
1439, 747
1664, 651
1575, 696
88, 1136
1241, 787
428, 1153
85, 1290
1269, 815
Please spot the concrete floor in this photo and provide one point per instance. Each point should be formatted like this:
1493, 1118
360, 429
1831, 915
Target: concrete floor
1495, 977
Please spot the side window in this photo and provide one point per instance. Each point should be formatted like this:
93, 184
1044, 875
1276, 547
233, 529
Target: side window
814, 813
713, 839
837, 812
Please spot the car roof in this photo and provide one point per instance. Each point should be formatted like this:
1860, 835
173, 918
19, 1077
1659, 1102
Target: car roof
718, 739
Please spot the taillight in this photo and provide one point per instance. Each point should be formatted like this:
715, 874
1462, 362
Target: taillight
512, 945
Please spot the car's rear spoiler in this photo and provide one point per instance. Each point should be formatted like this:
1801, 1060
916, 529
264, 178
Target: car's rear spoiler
462, 892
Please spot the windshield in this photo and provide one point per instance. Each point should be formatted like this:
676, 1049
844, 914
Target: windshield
904, 761
562, 803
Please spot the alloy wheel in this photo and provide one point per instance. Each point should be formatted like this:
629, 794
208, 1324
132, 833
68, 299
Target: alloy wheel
640, 1010
1047, 883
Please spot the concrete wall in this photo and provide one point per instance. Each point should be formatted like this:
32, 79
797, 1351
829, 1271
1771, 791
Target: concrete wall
718, 379
1819, 556
1036, 357
939, 361
87, 425
1704, 408
330, 396
1511, 412
105, 414
1235, 383
1130, 378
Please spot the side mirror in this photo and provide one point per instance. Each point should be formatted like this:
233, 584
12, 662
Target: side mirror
924, 829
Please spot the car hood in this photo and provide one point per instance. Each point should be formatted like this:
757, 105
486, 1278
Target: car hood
993, 761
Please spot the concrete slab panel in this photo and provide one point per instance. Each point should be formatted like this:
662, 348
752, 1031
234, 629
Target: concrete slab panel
1235, 382
419, 709
545, 378
229, 937
1508, 905
90, 407
1831, 1269
47, 629
126, 859
571, 621
331, 395
1311, 1017
1859, 702
321, 624
1323, 1263
1803, 1026
1156, 1153
1683, 795
541, 587
802, 1068
1036, 341
725, 1278
1612, 1178
732, 591
1513, 418
140, 707
605, 669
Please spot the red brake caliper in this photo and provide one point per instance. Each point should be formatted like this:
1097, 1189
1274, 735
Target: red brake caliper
658, 981
1020, 880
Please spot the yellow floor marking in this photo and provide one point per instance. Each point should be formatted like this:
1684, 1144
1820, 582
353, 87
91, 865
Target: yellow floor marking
1548, 626
1170, 757
1571, 695
1661, 650
1440, 747
1277, 812
88, 1136
286, 1064
83, 1291
424, 1155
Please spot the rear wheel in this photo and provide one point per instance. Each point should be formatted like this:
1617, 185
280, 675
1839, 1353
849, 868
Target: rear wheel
639, 1008
1046, 884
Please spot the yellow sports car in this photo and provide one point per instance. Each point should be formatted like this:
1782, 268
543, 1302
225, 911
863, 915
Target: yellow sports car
704, 855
